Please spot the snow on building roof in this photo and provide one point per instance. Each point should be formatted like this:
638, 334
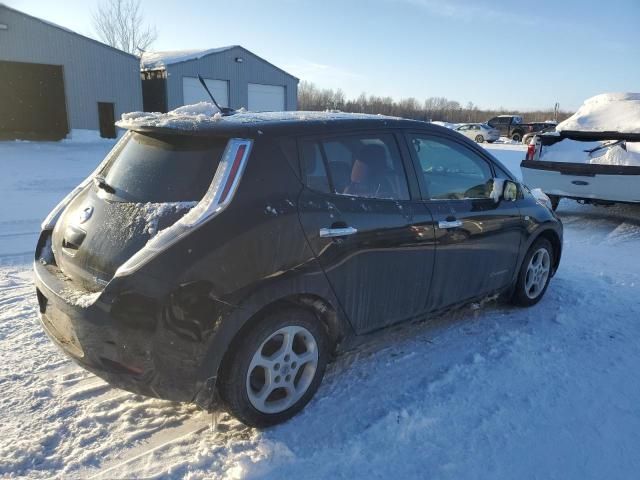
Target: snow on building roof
607, 112
159, 60
204, 115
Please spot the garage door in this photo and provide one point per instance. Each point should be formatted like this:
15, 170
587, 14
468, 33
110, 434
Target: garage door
266, 98
193, 91
32, 101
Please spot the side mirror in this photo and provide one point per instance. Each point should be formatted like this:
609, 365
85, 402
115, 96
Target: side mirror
510, 191
504, 190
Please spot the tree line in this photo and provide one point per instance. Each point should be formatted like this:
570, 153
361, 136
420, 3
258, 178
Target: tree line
310, 97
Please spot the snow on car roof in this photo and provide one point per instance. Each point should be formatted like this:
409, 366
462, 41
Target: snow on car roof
607, 112
204, 115
159, 60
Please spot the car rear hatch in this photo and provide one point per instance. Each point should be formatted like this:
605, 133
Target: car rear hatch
150, 181
585, 165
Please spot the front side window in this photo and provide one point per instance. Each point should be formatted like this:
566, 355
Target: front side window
366, 166
451, 171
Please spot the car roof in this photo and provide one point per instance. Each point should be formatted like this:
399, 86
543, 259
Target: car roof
186, 122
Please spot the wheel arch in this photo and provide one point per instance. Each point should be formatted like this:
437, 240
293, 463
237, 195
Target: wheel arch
244, 318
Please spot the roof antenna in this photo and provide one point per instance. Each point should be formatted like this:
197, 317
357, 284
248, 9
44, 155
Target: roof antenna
225, 111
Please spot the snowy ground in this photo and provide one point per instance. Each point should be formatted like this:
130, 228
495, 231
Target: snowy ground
550, 392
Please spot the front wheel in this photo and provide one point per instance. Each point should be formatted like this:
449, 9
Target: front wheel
516, 137
535, 274
479, 139
275, 368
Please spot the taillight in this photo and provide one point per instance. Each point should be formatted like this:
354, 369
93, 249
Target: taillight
531, 150
221, 191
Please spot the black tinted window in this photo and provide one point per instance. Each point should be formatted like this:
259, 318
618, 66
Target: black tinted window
451, 171
366, 166
313, 167
164, 168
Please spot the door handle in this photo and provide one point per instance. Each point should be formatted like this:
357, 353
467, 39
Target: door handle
337, 232
444, 224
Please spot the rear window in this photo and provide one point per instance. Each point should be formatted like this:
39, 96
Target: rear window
163, 168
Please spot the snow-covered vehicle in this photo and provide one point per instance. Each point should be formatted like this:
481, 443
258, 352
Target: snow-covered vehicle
593, 156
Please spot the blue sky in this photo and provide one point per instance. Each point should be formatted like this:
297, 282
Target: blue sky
514, 54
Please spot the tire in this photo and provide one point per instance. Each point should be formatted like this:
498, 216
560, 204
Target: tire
516, 137
479, 139
555, 201
242, 379
523, 294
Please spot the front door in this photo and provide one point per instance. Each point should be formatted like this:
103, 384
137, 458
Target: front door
371, 233
477, 239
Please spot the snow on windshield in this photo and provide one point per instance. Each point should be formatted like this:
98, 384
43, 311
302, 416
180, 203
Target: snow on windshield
608, 112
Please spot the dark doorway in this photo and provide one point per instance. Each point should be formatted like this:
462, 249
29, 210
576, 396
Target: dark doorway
154, 91
107, 118
32, 101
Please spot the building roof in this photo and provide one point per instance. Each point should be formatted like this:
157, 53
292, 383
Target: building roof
66, 30
160, 60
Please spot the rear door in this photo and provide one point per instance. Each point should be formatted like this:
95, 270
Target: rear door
364, 220
477, 239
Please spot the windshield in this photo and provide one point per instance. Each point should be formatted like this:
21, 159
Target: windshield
162, 168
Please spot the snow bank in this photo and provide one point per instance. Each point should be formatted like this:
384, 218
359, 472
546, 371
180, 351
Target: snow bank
574, 151
205, 114
608, 112
159, 60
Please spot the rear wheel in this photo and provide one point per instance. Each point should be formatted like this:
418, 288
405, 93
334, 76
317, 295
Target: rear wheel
274, 370
535, 274
479, 139
555, 201
516, 137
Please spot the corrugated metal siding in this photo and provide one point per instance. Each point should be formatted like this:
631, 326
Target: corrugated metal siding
92, 73
222, 66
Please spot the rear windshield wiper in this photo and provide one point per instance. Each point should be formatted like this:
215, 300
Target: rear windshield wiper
101, 183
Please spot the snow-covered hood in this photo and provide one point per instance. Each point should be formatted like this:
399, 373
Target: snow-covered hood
608, 112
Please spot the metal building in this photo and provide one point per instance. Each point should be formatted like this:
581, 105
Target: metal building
235, 76
53, 80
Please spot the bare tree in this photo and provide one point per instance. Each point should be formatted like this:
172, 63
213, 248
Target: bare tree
120, 23
310, 97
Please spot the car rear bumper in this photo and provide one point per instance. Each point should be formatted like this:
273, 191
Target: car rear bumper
610, 183
131, 348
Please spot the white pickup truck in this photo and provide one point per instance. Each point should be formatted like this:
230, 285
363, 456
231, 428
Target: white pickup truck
593, 157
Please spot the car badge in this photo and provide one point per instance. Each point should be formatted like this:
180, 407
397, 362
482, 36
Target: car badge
85, 214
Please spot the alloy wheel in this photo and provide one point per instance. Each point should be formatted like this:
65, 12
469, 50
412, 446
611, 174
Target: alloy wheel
282, 369
537, 273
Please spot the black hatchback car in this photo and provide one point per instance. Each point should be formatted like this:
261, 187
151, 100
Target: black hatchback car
226, 259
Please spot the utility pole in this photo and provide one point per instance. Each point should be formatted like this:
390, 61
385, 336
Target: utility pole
556, 107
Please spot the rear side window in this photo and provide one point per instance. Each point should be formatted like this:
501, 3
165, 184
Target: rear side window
164, 168
451, 171
366, 166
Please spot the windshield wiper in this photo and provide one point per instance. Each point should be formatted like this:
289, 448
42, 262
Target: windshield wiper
101, 183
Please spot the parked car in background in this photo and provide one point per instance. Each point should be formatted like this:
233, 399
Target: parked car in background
528, 137
511, 126
227, 259
593, 157
479, 132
